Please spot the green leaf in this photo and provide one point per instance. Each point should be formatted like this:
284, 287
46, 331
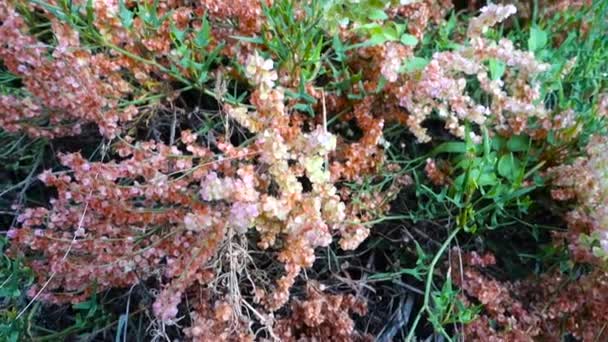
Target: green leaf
83, 305
399, 27
381, 84
302, 107
486, 143
408, 39
498, 143
538, 39
201, 39
338, 47
450, 147
373, 27
377, 14
497, 69
150, 16
125, 15
177, 33
376, 39
9, 292
415, 63
390, 33
90, 10
203, 77
487, 179
509, 166
518, 143
255, 40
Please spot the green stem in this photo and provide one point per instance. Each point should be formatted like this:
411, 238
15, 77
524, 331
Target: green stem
429, 282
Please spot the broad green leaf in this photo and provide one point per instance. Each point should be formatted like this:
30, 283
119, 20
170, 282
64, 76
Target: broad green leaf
497, 69
518, 143
376, 39
415, 63
487, 179
498, 143
390, 33
537, 40
9, 292
408, 39
509, 166
377, 14
399, 27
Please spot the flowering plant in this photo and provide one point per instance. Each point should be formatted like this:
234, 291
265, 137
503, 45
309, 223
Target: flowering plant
268, 170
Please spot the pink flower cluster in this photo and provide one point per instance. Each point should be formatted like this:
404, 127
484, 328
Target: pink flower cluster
586, 181
165, 211
441, 86
490, 16
68, 86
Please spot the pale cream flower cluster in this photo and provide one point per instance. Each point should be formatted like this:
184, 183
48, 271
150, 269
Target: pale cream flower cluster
586, 180
442, 86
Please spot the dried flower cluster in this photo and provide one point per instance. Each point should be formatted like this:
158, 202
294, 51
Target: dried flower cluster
215, 322
441, 86
586, 182
242, 161
67, 85
163, 211
545, 307
322, 317
435, 173
513, 320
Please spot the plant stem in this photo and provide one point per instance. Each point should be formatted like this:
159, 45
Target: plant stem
429, 282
